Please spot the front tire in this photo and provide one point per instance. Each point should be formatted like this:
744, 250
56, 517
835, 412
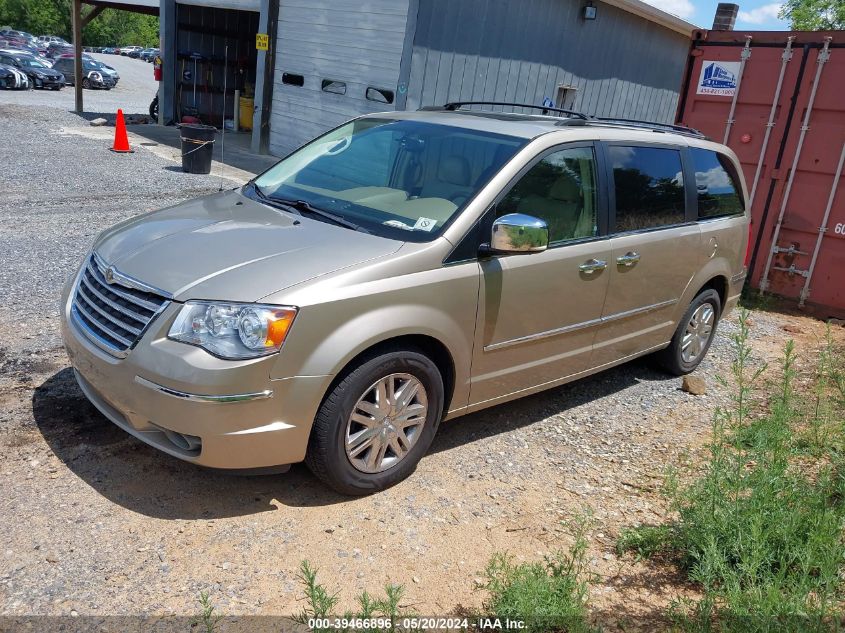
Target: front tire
86, 83
694, 334
377, 422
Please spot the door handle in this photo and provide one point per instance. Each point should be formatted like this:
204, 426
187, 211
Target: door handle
592, 265
628, 259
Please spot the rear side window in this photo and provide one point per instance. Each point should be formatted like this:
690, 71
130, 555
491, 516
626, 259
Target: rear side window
717, 184
649, 186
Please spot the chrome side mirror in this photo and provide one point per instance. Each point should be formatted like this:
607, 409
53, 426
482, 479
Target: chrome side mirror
519, 233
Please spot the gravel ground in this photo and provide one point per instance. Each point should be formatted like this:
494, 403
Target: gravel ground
93, 522
133, 92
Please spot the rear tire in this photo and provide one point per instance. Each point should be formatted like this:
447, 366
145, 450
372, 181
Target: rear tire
694, 335
340, 460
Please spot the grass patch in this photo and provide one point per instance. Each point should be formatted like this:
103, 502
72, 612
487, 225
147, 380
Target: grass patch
644, 541
546, 596
761, 530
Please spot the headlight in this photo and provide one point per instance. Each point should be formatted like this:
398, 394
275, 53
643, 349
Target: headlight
233, 330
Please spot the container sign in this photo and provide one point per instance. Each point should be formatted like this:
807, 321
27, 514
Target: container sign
262, 41
718, 78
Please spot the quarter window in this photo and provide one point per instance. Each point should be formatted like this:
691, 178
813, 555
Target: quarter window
649, 185
560, 189
717, 184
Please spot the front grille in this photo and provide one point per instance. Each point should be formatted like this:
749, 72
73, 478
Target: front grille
113, 315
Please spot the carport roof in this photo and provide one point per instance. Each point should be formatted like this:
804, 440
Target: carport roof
139, 6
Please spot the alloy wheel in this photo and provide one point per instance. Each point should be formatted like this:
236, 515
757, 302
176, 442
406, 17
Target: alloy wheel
698, 332
386, 422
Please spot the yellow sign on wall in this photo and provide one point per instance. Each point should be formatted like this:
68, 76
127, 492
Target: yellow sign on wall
262, 41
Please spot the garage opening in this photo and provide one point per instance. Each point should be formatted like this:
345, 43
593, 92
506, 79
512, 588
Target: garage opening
202, 35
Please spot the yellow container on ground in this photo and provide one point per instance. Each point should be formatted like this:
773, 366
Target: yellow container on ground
246, 107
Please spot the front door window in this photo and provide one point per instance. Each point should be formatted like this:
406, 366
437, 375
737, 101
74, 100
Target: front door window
560, 189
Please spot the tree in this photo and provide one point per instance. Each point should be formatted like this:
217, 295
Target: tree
52, 17
814, 15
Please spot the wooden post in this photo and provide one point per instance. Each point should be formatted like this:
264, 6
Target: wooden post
76, 19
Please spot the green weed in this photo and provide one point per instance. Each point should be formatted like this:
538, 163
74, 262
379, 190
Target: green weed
547, 596
761, 530
320, 603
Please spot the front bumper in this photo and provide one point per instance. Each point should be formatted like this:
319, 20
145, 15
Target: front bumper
191, 405
47, 82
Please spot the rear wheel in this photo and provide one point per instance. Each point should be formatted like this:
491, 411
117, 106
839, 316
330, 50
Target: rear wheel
694, 335
376, 423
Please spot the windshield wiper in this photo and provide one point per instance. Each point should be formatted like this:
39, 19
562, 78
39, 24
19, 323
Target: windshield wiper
263, 197
301, 206
306, 207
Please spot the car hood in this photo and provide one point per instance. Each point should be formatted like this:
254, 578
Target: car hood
228, 247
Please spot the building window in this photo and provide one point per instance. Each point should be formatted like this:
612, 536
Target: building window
380, 95
333, 86
649, 185
716, 184
566, 97
292, 79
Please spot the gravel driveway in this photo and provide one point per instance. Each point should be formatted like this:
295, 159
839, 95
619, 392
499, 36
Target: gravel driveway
94, 522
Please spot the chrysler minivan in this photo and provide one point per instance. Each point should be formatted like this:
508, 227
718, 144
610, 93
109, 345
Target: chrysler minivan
404, 269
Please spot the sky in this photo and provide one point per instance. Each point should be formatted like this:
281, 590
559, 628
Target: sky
754, 15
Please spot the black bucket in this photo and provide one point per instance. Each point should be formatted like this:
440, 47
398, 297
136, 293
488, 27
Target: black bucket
197, 145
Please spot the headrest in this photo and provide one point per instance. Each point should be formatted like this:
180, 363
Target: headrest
566, 189
455, 171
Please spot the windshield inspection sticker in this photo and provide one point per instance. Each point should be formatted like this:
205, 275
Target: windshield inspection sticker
425, 224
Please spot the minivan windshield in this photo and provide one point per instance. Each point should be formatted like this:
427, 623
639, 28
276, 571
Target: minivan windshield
396, 178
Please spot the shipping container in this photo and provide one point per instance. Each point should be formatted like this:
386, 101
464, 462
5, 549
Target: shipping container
778, 100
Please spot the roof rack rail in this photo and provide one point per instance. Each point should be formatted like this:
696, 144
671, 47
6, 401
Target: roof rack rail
651, 125
454, 105
579, 118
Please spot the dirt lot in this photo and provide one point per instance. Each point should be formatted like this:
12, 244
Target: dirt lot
93, 522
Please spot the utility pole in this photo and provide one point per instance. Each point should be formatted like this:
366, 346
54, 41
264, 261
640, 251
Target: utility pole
76, 18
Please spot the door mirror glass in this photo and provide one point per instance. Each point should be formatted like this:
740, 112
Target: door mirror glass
519, 233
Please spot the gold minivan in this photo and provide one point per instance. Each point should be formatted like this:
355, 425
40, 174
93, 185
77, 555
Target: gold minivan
403, 269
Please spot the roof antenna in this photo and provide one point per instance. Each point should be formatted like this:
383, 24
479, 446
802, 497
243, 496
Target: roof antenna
223, 131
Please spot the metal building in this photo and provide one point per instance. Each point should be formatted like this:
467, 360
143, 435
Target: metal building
623, 58
329, 60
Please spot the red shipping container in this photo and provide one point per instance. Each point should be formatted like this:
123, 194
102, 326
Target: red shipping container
778, 100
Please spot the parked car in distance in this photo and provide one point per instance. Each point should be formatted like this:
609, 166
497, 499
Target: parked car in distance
92, 76
48, 39
28, 53
106, 70
149, 54
131, 51
57, 49
40, 74
402, 269
12, 78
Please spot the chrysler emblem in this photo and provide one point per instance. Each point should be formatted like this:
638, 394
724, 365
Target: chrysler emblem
109, 274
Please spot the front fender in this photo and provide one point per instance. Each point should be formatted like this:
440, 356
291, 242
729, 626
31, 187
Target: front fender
440, 304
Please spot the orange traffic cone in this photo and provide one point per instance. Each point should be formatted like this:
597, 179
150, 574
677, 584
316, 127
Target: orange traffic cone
121, 140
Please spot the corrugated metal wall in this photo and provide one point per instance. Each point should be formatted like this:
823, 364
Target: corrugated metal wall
501, 50
356, 42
